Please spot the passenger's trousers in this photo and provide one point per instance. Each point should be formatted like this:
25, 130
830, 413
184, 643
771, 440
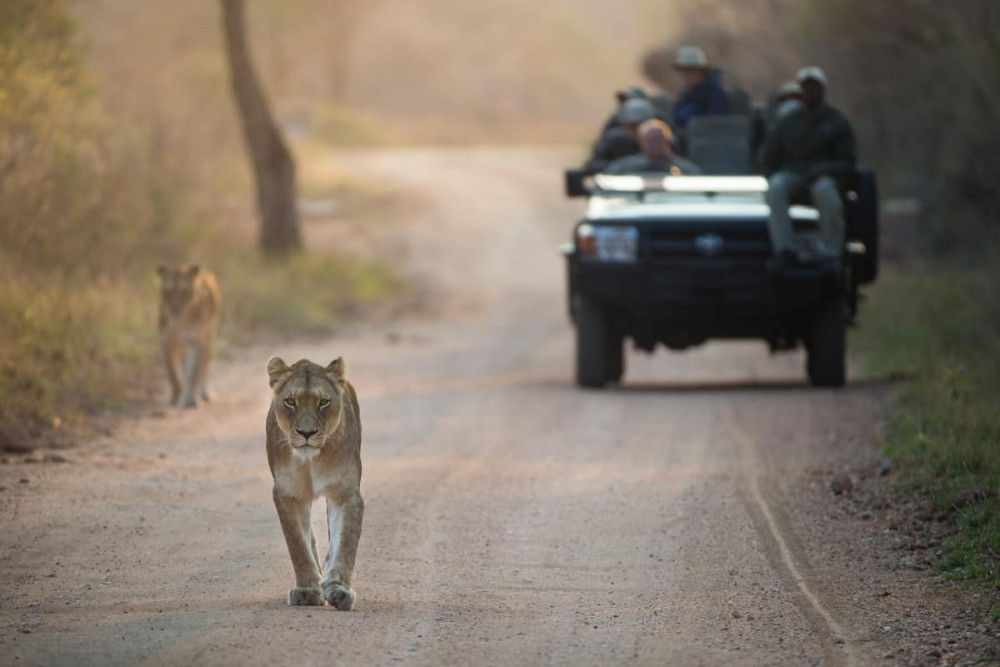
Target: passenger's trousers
783, 186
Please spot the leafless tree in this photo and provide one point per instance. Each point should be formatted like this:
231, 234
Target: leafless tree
273, 164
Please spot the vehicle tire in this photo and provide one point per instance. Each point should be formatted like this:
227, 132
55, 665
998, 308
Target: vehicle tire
592, 344
827, 348
615, 354
864, 224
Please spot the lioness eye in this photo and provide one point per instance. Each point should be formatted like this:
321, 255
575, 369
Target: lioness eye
324, 403
290, 402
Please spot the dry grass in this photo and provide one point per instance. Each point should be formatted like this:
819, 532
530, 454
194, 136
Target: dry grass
92, 203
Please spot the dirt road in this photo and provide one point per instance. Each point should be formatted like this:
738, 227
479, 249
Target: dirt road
511, 518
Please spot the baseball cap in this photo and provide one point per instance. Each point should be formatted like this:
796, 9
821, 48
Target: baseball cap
811, 74
635, 111
788, 89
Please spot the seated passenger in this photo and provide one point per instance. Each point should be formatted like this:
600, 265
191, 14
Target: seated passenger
621, 141
703, 94
787, 98
809, 151
622, 96
657, 156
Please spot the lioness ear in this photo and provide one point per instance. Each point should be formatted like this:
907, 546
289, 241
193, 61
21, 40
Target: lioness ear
161, 270
193, 270
336, 369
276, 370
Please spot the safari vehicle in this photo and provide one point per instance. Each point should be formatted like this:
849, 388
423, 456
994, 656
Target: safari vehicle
679, 260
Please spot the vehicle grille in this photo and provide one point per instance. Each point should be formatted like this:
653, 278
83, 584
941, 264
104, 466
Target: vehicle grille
739, 240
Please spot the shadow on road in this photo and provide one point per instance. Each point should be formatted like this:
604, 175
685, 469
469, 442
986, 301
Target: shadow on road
755, 385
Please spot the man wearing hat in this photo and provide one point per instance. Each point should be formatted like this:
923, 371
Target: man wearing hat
809, 151
661, 105
703, 94
787, 99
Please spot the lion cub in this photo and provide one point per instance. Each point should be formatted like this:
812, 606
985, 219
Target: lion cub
190, 307
314, 449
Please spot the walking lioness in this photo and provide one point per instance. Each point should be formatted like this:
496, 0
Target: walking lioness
190, 306
314, 449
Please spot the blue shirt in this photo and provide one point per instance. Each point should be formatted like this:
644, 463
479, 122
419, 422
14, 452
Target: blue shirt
707, 99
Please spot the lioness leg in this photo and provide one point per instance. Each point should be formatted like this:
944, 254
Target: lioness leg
295, 524
170, 349
193, 362
345, 530
203, 362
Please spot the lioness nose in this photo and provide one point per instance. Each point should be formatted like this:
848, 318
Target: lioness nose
307, 432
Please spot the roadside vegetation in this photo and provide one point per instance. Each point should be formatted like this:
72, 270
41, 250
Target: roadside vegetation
93, 197
938, 323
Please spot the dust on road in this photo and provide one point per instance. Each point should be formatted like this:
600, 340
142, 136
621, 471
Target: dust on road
511, 518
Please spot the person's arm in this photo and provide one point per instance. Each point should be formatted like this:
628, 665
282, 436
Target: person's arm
770, 152
845, 151
600, 154
610, 123
718, 103
683, 110
844, 158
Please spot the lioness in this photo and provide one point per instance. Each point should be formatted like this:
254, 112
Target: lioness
314, 449
190, 306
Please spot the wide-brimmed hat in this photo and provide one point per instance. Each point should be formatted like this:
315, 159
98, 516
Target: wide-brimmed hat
690, 57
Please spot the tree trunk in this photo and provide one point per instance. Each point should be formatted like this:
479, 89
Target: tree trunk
273, 165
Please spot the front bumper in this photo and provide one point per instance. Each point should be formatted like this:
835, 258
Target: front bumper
702, 297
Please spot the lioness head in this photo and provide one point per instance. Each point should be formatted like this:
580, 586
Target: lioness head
177, 285
307, 402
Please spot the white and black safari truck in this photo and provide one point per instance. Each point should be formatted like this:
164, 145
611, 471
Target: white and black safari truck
680, 260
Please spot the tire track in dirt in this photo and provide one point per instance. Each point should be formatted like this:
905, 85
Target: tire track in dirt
787, 558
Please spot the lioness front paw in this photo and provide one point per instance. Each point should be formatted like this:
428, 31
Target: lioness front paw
305, 597
339, 596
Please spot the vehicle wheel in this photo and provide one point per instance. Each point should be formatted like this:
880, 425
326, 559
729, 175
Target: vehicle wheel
827, 349
592, 368
615, 354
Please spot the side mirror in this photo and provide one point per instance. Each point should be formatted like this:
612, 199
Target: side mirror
575, 186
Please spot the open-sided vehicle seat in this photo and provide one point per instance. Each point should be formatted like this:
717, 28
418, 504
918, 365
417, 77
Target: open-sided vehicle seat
720, 145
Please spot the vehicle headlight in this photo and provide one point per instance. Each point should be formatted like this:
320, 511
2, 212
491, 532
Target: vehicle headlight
607, 243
